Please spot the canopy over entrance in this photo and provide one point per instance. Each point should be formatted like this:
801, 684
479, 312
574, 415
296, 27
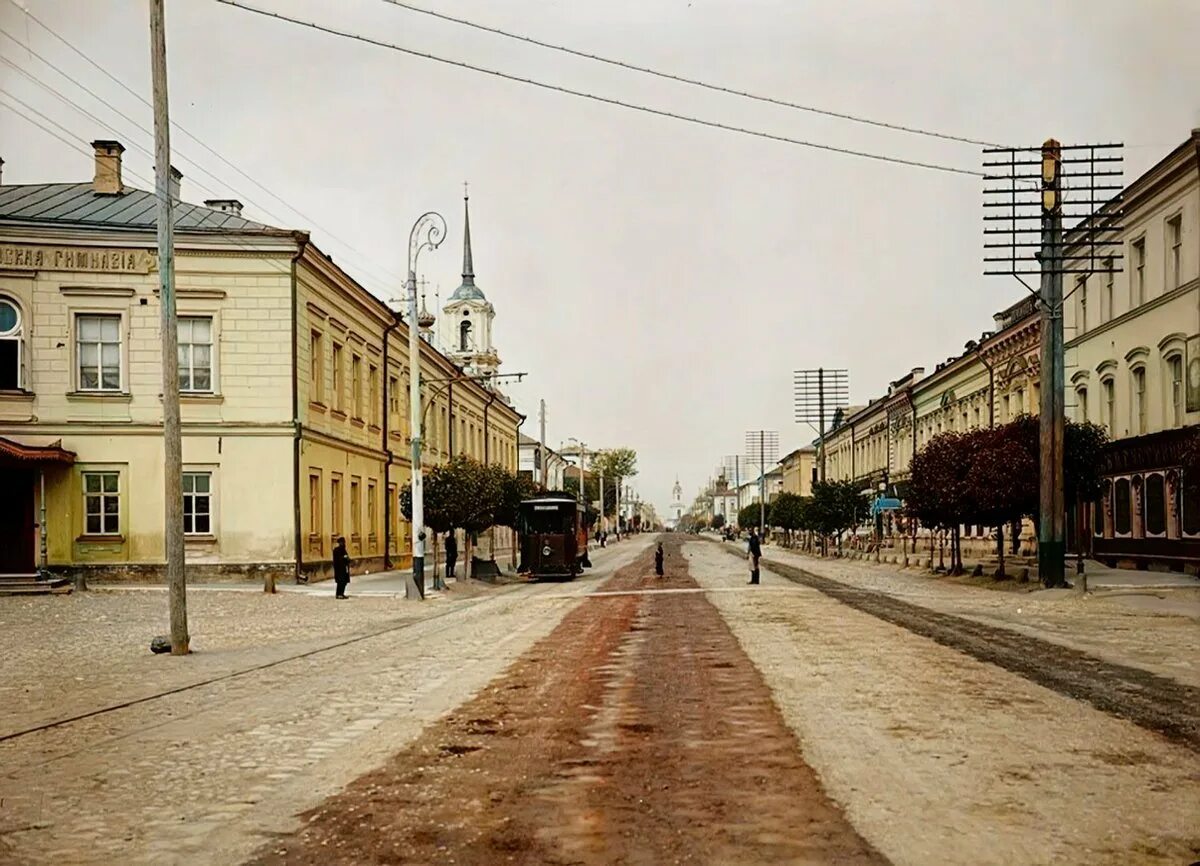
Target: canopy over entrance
28, 456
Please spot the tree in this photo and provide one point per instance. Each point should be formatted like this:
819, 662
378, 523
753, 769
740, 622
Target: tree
616, 463
461, 494
787, 513
837, 506
937, 492
748, 516
718, 521
997, 482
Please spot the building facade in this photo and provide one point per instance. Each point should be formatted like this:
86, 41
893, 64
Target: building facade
799, 470
292, 378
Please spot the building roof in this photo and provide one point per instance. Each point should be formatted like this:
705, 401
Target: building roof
12, 451
77, 204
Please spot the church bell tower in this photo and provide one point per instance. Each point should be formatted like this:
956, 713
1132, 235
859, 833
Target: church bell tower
467, 316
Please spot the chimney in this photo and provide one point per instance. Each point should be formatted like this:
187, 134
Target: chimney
108, 167
173, 183
225, 205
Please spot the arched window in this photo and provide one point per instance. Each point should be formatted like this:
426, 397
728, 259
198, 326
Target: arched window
1108, 406
1173, 374
1122, 523
1156, 505
1137, 400
1081, 405
464, 337
12, 354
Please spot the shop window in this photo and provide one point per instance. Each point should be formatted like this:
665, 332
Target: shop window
1156, 504
1191, 510
1121, 507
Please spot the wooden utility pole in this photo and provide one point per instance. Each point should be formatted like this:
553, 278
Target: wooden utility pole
172, 440
1052, 505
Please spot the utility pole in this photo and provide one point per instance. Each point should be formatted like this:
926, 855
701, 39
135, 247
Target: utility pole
172, 438
1052, 505
542, 442
821, 431
1024, 197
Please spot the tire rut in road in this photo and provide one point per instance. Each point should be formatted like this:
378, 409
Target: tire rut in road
638, 731
1156, 703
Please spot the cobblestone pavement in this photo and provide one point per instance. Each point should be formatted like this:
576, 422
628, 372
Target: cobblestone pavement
1100, 624
201, 775
939, 758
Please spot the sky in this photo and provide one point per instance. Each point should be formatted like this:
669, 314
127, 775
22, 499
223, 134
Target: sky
658, 281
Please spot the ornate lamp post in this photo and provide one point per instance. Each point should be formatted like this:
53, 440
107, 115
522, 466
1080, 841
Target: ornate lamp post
428, 231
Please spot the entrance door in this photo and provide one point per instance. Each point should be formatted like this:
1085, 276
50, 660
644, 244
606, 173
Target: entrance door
16, 521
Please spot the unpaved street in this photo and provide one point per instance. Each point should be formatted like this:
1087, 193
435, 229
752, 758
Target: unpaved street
305, 695
638, 731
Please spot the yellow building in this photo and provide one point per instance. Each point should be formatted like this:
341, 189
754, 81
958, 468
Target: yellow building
293, 384
799, 470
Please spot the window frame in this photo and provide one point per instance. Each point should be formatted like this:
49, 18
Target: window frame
16, 335
191, 319
316, 366
1173, 248
77, 317
339, 377
1175, 408
1138, 416
1108, 404
356, 386
1137, 279
210, 476
103, 495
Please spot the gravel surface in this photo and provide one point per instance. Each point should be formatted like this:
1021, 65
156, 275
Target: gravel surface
1109, 625
938, 757
200, 776
637, 732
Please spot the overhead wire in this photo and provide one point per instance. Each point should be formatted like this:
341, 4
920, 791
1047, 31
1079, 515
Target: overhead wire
557, 88
378, 273
681, 79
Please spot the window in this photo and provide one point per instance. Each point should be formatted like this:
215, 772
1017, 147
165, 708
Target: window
316, 368
195, 353
1108, 392
372, 506
356, 386
355, 507
1137, 287
1139, 400
101, 503
338, 373
197, 503
335, 505
1081, 407
1106, 302
314, 503
373, 394
1081, 291
11, 347
393, 516
393, 400
464, 337
1174, 251
1175, 382
98, 350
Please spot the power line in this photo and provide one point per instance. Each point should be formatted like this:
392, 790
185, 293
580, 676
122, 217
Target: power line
684, 80
712, 124
389, 275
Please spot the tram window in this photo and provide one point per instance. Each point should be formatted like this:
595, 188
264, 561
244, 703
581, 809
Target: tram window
548, 520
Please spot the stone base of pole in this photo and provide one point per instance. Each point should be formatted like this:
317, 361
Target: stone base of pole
414, 587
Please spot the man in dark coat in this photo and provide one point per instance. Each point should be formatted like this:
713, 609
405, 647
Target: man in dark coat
658, 560
451, 553
341, 567
755, 556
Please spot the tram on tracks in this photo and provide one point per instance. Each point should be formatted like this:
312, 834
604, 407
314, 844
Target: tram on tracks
553, 537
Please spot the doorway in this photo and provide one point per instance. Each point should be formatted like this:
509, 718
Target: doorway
17, 548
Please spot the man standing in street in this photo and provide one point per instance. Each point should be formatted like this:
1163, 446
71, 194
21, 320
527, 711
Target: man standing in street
341, 567
451, 553
755, 556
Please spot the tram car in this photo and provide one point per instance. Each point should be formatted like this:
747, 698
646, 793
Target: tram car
553, 537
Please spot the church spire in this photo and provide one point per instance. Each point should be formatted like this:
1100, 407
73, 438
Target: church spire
468, 272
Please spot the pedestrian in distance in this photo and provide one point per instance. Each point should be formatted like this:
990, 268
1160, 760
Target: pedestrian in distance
658, 560
341, 567
451, 553
755, 555
603, 538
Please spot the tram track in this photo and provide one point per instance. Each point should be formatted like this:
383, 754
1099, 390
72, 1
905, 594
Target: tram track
1150, 701
143, 700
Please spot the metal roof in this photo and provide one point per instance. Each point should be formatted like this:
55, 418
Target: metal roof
76, 204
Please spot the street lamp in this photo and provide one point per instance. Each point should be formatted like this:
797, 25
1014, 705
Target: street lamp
427, 233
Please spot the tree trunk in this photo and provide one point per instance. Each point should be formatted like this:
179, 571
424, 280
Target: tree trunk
942, 551
469, 551
1000, 551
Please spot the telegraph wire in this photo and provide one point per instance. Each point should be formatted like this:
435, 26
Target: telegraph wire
712, 124
896, 127
388, 276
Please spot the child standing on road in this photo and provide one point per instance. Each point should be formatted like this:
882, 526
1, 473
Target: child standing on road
658, 560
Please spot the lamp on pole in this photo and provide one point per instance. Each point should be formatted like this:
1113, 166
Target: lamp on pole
582, 458
427, 232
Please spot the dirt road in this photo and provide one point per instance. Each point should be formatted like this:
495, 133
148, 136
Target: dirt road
638, 731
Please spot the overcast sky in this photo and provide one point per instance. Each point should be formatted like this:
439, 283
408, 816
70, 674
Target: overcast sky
658, 281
